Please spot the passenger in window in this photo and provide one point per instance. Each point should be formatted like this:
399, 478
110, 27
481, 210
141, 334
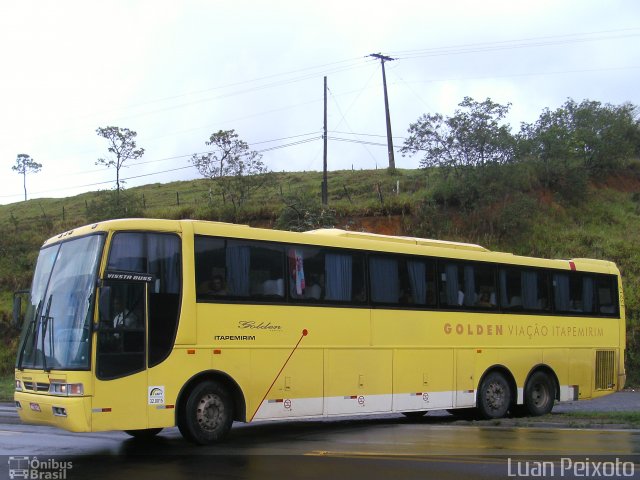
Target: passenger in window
406, 297
123, 318
484, 300
360, 296
213, 286
314, 290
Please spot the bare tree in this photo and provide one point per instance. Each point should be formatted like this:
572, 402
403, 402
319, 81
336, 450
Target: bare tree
122, 146
237, 169
24, 164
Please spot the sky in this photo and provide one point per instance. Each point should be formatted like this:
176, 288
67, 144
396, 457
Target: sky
177, 71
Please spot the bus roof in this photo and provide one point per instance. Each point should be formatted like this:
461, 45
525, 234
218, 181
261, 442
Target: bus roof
399, 239
343, 239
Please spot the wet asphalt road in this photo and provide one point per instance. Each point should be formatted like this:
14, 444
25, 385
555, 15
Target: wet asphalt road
376, 446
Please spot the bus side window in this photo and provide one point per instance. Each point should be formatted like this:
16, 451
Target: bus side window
344, 276
606, 290
306, 270
210, 267
574, 292
417, 282
384, 279
523, 289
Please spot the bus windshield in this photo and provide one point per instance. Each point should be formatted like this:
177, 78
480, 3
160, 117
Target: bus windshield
55, 334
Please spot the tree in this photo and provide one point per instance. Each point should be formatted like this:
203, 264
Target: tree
24, 164
237, 170
472, 137
588, 135
123, 146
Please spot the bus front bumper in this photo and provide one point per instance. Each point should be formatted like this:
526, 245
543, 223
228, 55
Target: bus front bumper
68, 413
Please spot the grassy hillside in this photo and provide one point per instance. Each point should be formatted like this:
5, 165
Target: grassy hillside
600, 221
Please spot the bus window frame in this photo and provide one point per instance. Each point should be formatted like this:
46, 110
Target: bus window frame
287, 300
106, 253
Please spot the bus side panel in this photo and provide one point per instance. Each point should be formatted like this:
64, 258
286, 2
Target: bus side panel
297, 391
170, 376
558, 360
581, 362
465, 378
519, 362
120, 404
422, 379
358, 380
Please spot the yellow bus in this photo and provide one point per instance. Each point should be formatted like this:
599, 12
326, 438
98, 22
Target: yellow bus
142, 324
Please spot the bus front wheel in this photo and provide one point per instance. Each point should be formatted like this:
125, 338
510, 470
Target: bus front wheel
494, 396
539, 394
207, 414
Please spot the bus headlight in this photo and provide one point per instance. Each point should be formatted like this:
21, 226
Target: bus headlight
18, 385
67, 389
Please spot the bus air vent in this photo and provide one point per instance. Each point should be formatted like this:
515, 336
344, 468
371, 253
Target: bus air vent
605, 369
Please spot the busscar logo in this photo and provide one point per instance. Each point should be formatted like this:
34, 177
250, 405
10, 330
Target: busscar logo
35, 469
156, 395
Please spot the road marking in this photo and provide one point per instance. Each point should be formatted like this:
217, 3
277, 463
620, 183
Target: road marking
468, 459
410, 456
9, 432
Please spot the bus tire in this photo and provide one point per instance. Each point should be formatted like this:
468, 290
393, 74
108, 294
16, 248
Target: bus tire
144, 434
207, 414
539, 394
415, 415
494, 396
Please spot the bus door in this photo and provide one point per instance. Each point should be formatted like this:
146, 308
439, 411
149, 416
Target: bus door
120, 386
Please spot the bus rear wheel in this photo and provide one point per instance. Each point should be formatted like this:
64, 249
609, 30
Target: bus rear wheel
143, 434
494, 396
539, 394
207, 414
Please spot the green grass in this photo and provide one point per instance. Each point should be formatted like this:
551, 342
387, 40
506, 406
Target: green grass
7, 385
604, 418
526, 220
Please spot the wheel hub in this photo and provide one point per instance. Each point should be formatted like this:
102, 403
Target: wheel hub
495, 396
209, 412
539, 395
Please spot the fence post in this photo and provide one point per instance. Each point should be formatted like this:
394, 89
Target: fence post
347, 193
379, 190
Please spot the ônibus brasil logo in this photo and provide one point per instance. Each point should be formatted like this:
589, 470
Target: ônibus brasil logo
35, 469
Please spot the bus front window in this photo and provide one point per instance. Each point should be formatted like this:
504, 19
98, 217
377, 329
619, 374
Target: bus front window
55, 334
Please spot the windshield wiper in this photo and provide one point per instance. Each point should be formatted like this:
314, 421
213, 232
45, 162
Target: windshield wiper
27, 334
45, 320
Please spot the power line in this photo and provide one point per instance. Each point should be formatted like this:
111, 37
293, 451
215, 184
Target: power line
94, 184
361, 142
223, 95
502, 45
530, 74
364, 134
344, 118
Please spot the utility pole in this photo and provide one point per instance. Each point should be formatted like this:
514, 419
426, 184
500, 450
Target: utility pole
383, 58
325, 185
